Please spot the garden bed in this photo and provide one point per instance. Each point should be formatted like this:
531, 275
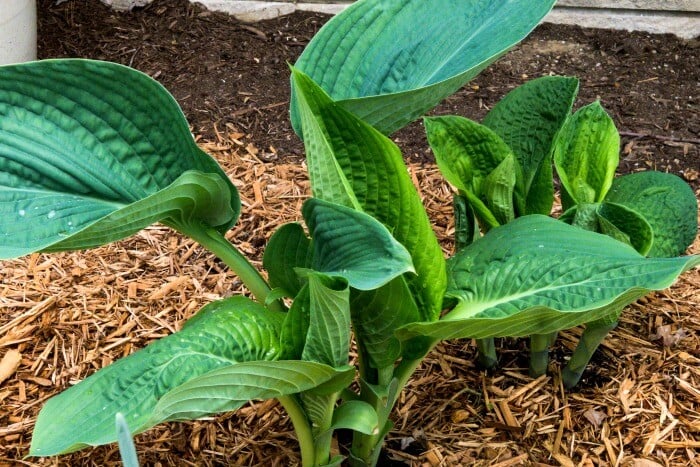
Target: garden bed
70, 314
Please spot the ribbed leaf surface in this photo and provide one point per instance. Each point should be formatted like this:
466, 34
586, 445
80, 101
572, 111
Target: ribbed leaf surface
528, 119
81, 140
220, 335
586, 154
537, 275
352, 164
390, 61
230, 387
666, 202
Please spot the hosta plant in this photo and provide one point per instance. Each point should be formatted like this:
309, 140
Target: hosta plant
502, 169
654, 212
91, 152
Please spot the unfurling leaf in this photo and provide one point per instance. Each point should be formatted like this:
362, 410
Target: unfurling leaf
480, 164
666, 202
528, 119
586, 155
288, 248
352, 245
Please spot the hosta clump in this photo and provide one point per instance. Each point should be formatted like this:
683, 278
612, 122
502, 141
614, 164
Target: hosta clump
502, 169
652, 211
91, 152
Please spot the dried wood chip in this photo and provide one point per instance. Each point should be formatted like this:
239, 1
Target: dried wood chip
9, 364
596, 417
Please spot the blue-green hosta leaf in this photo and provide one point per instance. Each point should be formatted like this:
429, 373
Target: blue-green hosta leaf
296, 326
613, 220
353, 245
467, 153
328, 337
626, 225
222, 334
68, 222
228, 388
586, 155
357, 416
87, 146
666, 202
537, 275
390, 61
376, 316
528, 120
350, 163
499, 189
287, 249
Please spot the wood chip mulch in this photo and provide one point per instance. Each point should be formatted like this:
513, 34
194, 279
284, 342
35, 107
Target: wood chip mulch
63, 316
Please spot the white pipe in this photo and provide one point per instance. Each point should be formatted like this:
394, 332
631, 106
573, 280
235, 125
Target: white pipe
17, 31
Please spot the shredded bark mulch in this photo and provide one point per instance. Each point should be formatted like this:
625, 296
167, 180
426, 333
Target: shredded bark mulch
63, 316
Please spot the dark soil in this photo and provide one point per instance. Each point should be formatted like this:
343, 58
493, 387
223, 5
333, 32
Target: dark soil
226, 74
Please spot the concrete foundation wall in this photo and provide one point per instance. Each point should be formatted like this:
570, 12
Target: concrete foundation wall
666, 5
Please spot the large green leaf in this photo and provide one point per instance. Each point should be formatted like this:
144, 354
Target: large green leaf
666, 202
287, 249
537, 275
91, 152
350, 163
228, 388
353, 245
222, 334
586, 155
390, 61
528, 119
376, 316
